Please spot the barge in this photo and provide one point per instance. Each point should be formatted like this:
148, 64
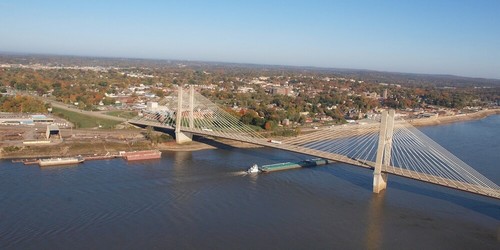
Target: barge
30, 162
60, 161
293, 165
141, 155
26, 161
101, 157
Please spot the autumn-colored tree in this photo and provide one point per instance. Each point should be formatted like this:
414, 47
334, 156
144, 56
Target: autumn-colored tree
270, 125
24, 104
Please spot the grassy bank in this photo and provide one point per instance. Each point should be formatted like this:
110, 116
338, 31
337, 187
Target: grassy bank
82, 120
123, 114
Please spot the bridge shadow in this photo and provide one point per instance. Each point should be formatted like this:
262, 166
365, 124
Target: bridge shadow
196, 138
213, 143
352, 176
482, 205
269, 154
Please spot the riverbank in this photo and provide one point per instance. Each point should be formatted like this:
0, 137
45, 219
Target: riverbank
73, 148
66, 149
440, 120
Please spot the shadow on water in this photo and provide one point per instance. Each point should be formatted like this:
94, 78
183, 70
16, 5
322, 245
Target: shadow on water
476, 204
213, 143
265, 154
487, 208
358, 179
216, 144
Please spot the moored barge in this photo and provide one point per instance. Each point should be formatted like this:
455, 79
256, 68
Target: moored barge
60, 161
141, 155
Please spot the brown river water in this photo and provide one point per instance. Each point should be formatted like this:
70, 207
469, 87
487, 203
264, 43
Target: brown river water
205, 200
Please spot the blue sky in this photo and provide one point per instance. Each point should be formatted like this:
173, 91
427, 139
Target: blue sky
424, 36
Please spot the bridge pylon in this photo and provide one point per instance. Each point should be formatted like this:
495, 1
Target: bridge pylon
183, 137
383, 150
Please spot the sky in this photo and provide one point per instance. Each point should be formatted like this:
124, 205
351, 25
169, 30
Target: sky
459, 37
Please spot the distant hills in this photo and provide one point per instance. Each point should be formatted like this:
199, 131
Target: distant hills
364, 75
418, 79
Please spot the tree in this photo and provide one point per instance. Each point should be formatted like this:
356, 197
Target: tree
25, 104
248, 117
159, 93
149, 133
270, 125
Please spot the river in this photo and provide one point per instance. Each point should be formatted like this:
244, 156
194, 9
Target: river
204, 200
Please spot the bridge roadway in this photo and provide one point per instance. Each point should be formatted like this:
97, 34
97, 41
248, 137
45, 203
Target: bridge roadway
467, 187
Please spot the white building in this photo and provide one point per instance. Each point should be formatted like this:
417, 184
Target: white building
152, 106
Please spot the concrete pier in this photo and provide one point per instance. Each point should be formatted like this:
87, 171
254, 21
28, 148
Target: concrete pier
183, 137
383, 151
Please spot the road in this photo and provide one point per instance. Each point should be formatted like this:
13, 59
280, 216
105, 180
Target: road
89, 113
74, 109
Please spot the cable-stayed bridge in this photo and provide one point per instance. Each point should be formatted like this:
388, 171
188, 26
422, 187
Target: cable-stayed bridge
387, 147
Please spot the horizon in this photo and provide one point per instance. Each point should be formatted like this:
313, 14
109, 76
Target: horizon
446, 38
243, 64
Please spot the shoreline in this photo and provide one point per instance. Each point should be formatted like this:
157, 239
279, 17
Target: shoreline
73, 149
442, 120
89, 148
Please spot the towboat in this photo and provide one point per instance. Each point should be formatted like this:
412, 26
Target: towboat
253, 169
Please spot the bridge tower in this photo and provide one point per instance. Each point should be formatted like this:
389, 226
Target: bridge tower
383, 150
183, 137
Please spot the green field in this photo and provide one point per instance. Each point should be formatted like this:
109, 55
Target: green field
122, 114
84, 121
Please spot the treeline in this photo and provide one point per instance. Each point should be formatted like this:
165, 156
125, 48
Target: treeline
335, 98
22, 104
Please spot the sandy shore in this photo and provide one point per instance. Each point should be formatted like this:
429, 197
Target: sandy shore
456, 118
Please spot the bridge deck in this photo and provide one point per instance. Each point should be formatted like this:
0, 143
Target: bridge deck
463, 186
